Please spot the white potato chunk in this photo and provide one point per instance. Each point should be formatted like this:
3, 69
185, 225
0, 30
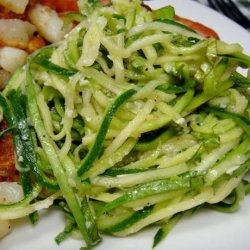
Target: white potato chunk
12, 58
15, 32
48, 23
17, 6
10, 192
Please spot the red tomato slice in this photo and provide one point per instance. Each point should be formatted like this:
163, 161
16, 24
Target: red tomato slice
62, 5
200, 28
105, 1
8, 171
65, 5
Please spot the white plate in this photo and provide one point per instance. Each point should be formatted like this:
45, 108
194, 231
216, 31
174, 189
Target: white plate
205, 230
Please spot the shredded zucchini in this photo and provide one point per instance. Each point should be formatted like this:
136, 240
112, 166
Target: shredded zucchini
134, 117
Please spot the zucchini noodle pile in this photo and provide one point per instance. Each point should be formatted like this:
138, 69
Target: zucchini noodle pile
132, 120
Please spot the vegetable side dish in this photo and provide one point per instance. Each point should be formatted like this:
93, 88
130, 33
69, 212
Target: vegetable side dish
133, 119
